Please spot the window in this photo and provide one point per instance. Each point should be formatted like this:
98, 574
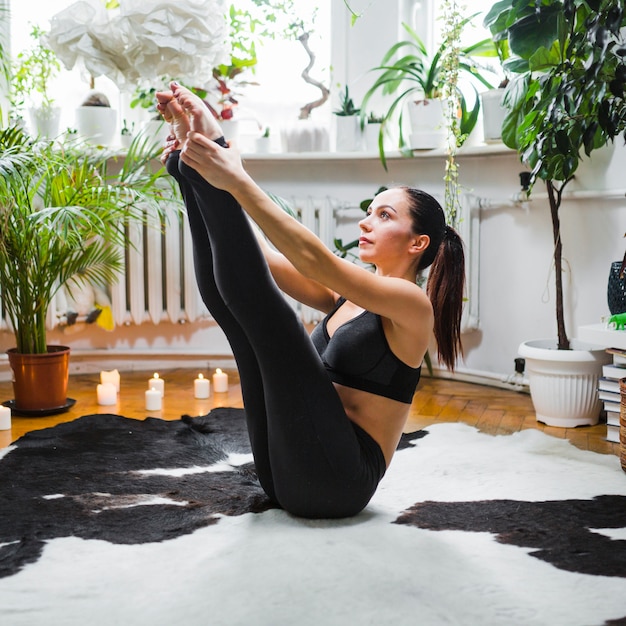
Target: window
279, 93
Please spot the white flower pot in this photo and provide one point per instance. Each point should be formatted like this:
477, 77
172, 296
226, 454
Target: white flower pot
305, 136
564, 383
96, 124
428, 124
262, 145
126, 140
372, 132
349, 136
45, 121
493, 114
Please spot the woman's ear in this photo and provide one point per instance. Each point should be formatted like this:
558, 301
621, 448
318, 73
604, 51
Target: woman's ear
420, 243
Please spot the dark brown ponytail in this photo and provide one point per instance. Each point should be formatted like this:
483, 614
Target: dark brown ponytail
445, 288
446, 278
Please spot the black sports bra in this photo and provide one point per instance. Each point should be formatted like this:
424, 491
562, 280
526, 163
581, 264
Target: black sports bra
358, 356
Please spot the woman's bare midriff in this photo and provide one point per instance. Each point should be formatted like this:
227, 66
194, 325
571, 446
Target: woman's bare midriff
382, 418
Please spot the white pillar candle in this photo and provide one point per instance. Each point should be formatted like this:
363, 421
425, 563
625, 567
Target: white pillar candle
201, 387
154, 400
220, 381
107, 394
5, 418
157, 383
111, 377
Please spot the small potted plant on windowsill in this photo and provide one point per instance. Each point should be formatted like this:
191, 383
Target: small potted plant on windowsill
127, 133
492, 106
348, 129
414, 79
96, 120
372, 132
222, 98
33, 71
264, 142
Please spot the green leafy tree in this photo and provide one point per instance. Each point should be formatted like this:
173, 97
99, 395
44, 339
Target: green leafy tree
566, 95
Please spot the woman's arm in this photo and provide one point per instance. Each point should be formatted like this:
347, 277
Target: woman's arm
400, 300
292, 282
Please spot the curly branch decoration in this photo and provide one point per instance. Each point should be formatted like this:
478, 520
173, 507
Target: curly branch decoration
305, 111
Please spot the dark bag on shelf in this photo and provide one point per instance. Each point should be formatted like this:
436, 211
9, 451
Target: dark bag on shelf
616, 289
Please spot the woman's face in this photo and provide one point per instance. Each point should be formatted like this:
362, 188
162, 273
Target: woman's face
387, 229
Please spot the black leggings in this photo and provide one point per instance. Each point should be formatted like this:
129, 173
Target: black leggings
310, 458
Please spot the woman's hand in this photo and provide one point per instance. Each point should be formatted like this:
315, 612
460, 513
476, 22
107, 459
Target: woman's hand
222, 167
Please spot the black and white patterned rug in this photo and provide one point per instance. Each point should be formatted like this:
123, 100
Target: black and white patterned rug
118, 521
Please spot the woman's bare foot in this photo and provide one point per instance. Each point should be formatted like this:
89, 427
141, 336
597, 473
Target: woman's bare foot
174, 115
201, 119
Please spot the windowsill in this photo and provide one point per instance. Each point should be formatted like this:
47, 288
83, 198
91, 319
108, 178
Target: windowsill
392, 155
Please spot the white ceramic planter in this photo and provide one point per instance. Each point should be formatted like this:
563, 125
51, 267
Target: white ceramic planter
428, 124
96, 124
305, 136
564, 383
126, 140
493, 114
348, 133
45, 122
263, 145
372, 133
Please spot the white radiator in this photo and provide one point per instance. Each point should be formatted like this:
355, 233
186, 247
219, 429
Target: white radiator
158, 281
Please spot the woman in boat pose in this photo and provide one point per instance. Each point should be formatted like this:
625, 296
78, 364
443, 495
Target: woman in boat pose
324, 412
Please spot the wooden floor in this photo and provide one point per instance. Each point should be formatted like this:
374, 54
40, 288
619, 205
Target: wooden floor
491, 410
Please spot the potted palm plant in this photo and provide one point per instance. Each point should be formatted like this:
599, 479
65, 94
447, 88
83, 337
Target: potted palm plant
63, 216
565, 99
413, 78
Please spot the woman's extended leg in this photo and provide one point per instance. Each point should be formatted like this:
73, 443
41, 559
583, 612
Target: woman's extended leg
247, 366
319, 467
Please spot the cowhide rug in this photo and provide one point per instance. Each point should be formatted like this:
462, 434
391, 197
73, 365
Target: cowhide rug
108, 520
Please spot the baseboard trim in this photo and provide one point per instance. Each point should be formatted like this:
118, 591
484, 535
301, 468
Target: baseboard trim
478, 377
94, 361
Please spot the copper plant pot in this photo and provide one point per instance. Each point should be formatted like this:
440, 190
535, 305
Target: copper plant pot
40, 380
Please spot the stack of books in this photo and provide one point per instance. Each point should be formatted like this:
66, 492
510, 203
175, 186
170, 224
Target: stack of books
609, 391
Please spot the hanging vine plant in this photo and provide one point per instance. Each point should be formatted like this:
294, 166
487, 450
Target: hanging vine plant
453, 22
